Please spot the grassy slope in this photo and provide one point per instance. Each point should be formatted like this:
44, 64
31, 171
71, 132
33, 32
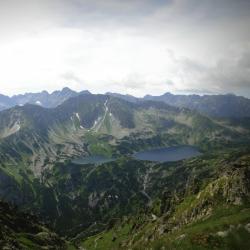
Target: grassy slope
65, 191
204, 234
204, 218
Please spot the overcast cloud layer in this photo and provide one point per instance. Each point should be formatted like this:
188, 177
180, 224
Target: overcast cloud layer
136, 47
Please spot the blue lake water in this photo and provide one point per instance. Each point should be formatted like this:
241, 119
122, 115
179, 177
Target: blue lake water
167, 154
93, 159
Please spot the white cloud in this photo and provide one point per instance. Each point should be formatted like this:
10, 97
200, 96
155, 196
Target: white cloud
135, 47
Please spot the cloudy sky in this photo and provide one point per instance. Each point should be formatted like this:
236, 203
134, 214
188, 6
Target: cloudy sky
135, 46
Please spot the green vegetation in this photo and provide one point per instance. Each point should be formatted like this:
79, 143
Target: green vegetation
20, 230
194, 217
201, 203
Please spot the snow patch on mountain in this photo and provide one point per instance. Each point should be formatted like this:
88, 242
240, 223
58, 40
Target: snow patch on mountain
38, 103
78, 116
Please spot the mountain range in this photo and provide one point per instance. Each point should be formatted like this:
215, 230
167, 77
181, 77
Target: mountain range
43, 98
213, 105
197, 203
40, 136
225, 106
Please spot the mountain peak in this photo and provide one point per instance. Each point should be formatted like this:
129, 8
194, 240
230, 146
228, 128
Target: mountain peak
66, 89
45, 92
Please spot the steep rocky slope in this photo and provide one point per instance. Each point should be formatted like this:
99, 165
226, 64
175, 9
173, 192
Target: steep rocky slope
198, 204
20, 230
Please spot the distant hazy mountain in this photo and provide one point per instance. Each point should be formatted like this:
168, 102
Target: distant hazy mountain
212, 105
43, 98
223, 106
6, 102
128, 98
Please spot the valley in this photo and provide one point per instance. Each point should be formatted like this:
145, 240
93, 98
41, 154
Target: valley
106, 173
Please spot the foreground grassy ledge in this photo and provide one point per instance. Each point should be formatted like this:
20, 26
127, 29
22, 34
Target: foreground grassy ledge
227, 228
